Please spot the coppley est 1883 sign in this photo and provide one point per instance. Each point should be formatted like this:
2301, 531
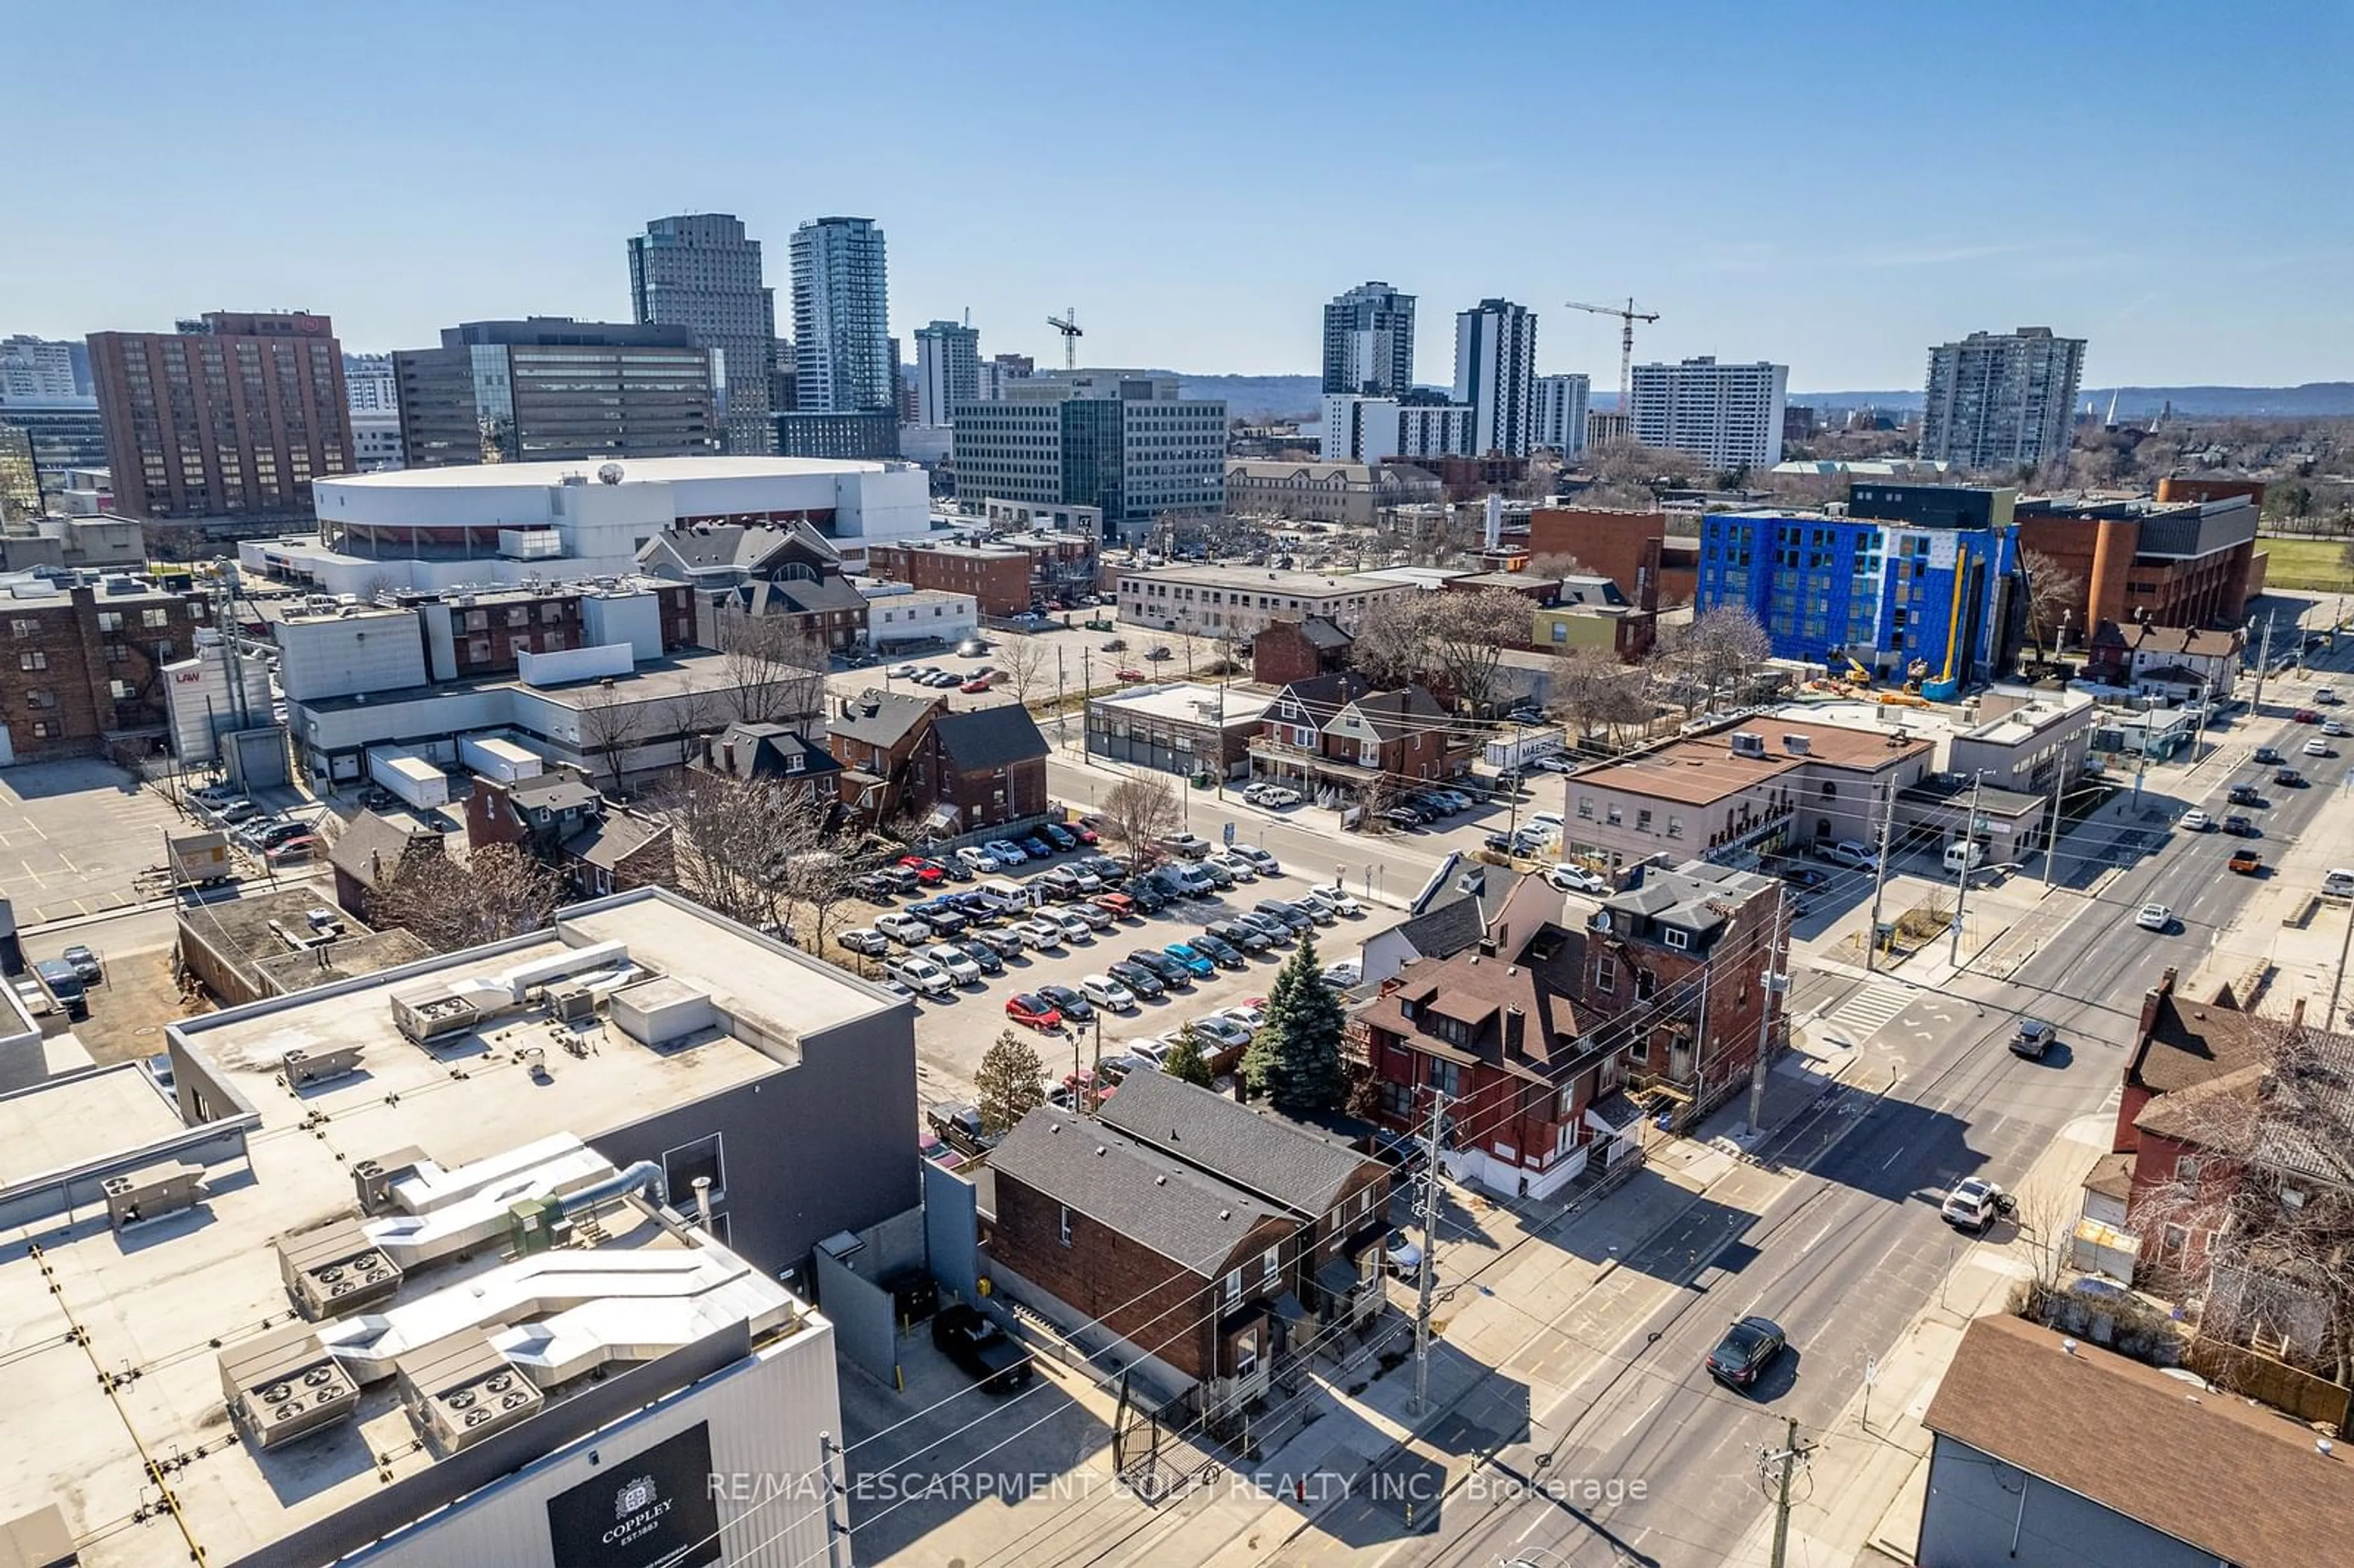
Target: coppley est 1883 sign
651, 1510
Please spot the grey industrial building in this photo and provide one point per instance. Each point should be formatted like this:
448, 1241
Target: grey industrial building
1999, 400
698, 271
1128, 442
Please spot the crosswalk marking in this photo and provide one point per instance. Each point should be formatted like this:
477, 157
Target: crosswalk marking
1870, 1008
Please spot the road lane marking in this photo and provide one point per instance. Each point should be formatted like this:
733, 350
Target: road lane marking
1892, 1155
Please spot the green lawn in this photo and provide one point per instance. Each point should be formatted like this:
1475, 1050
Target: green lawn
2305, 563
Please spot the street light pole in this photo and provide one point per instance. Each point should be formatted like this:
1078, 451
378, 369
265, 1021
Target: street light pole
1775, 982
1969, 848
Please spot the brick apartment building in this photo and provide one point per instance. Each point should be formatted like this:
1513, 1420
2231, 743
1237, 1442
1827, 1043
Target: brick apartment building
1630, 548
217, 434
1675, 978
1000, 578
484, 632
83, 671
2191, 563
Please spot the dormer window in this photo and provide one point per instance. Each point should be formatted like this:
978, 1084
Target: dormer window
1674, 939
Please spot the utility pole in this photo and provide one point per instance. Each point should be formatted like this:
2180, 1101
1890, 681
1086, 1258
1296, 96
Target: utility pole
1095, 1073
1970, 851
1879, 875
1087, 689
2264, 666
1062, 714
1429, 1217
1775, 982
2338, 981
2051, 830
1793, 1453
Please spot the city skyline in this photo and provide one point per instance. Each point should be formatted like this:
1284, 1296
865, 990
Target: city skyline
1883, 243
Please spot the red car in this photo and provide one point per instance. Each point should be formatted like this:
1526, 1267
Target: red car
1033, 1010
1081, 831
2305, 716
926, 872
974, 688
1131, 674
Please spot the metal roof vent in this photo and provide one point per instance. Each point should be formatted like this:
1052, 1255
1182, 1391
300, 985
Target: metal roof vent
335, 1270
460, 1390
283, 1386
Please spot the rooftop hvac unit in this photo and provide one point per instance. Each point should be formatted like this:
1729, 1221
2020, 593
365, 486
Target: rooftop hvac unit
437, 1016
303, 1068
460, 1390
335, 1270
1797, 745
152, 1193
372, 1179
573, 1004
1748, 743
284, 1385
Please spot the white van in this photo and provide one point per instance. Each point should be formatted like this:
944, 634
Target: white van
1965, 854
2338, 883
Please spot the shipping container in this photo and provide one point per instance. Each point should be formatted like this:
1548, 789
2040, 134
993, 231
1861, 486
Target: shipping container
408, 775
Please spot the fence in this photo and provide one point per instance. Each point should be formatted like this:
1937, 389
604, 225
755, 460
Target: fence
2276, 1383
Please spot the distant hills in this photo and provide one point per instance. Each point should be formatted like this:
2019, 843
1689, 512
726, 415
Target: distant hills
1263, 397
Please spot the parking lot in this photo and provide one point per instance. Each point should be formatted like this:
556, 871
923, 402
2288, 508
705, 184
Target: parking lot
953, 1031
76, 837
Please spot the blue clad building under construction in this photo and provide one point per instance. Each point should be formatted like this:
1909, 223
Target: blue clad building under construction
1911, 584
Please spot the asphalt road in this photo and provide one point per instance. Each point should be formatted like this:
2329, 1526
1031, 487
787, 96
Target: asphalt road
1853, 1251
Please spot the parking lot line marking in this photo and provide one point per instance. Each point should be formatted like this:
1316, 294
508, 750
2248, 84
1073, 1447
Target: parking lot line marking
1891, 1158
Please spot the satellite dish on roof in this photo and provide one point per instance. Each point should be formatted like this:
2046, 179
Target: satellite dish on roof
609, 474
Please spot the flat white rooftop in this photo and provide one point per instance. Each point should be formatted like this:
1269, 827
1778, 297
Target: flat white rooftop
634, 471
150, 1307
1187, 703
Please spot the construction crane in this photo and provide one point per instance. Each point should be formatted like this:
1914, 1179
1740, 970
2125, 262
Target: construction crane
1067, 323
1626, 320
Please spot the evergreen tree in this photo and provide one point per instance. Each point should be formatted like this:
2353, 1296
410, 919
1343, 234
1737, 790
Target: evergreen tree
1009, 1083
1295, 1061
1186, 1062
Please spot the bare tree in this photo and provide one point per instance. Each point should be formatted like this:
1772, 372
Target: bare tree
608, 727
1592, 690
1026, 662
1140, 812
1558, 564
758, 851
501, 891
1392, 646
1719, 646
697, 711
774, 673
1468, 634
2050, 594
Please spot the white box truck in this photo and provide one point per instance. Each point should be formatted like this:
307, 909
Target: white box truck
408, 775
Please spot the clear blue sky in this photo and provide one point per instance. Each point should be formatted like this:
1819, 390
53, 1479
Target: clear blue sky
1833, 186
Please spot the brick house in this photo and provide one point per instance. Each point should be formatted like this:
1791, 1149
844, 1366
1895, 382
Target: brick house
977, 769
747, 751
783, 569
1093, 1228
1339, 1198
83, 671
1632, 548
371, 851
566, 823
1298, 650
1675, 976
872, 736
1339, 730
1496, 1030
2171, 660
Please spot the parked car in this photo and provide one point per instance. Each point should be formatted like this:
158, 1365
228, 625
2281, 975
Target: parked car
1251, 1015
1273, 797
1197, 963
979, 859
1184, 846
982, 954
1071, 926
1058, 836
1219, 1032
1032, 1011
1975, 1204
1570, 877
1298, 917
1095, 917
1219, 951
943, 917
929, 873
1277, 932
899, 879
1146, 894
959, 1126
1039, 932
1748, 1348
1037, 848
1075, 1008
1215, 874
1238, 867
1084, 833
920, 975
1107, 992
1335, 899
1005, 853
866, 939
1249, 939
1137, 979
958, 964
1164, 968
1849, 854
84, 964
905, 928
1400, 1256
1118, 906
1260, 861
1345, 975
2032, 1038
1004, 942
980, 1349
1405, 818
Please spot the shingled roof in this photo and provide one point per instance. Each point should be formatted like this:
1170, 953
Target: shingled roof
1515, 1008
2240, 1483
1191, 1218
882, 718
984, 738
1261, 1152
